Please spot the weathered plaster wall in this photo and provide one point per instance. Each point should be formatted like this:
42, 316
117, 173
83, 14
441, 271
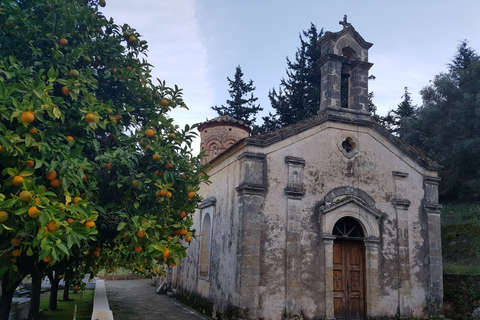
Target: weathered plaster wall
268, 249
326, 168
222, 282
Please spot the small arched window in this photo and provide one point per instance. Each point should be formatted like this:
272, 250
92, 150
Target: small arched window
205, 245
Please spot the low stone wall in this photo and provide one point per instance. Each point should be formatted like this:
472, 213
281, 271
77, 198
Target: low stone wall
101, 309
461, 296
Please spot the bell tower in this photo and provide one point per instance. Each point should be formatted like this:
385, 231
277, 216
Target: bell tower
344, 67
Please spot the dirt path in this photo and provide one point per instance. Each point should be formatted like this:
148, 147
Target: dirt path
137, 299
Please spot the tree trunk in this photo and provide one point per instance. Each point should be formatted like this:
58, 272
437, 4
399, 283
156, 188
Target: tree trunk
66, 290
33, 312
8, 288
52, 305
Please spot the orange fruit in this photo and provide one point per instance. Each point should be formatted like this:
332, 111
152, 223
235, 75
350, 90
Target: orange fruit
118, 117
65, 91
3, 216
183, 214
141, 234
37, 200
163, 192
85, 177
159, 173
134, 184
55, 183
172, 136
25, 196
69, 220
52, 226
76, 199
74, 73
16, 252
167, 254
18, 181
63, 42
90, 224
33, 130
47, 259
191, 194
90, 118
169, 166
76, 288
0, 147
184, 176
27, 117
168, 195
30, 163
182, 232
52, 174
149, 133
59, 276
156, 157
132, 39
33, 212
188, 238
138, 249
108, 165
164, 102
70, 138
15, 242
86, 60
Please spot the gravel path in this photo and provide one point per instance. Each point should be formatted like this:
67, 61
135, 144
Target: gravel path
137, 299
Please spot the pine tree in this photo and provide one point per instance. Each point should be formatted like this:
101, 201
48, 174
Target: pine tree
447, 125
397, 120
298, 96
241, 106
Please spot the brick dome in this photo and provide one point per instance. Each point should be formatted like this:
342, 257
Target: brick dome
219, 134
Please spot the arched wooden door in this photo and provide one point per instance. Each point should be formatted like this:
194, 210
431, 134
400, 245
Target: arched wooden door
348, 271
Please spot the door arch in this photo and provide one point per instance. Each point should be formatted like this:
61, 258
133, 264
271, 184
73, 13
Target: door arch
360, 247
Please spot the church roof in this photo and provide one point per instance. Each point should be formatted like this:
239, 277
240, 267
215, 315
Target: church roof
266, 139
223, 120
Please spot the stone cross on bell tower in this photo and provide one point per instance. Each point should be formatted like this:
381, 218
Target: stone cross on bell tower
344, 67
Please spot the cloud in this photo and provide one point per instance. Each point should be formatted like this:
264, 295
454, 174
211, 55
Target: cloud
176, 51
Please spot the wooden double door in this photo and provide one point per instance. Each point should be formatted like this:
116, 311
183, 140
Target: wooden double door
349, 280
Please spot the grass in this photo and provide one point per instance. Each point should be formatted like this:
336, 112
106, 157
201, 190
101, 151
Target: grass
461, 238
66, 309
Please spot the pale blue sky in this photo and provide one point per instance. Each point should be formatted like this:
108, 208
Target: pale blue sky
197, 44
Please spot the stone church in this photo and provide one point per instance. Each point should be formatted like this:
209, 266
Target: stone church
328, 218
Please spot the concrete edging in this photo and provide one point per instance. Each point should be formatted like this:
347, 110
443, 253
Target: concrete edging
101, 309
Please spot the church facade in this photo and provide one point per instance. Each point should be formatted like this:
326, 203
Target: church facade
329, 218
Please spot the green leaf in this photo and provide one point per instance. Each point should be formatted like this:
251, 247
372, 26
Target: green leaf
121, 225
29, 252
57, 113
8, 203
8, 228
39, 93
62, 247
136, 205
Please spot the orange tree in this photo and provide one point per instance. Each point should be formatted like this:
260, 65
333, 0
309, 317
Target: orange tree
90, 161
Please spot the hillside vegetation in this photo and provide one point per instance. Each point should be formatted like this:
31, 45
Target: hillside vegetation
461, 238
